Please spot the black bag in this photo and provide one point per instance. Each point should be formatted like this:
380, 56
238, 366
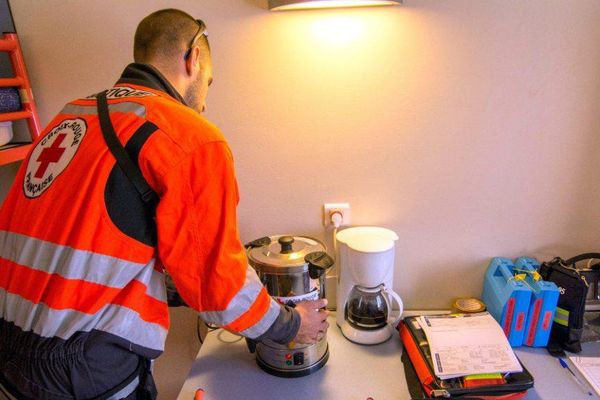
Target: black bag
567, 327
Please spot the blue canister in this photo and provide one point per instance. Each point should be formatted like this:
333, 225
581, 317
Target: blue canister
507, 299
544, 298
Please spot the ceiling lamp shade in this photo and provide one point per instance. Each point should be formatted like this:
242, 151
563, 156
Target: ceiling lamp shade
281, 5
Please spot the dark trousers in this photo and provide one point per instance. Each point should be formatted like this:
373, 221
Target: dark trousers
88, 366
139, 386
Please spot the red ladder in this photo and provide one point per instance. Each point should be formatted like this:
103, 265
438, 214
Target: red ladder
17, 151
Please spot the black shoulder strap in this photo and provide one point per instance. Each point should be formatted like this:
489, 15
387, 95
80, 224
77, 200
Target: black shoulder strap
125, 163
581, 257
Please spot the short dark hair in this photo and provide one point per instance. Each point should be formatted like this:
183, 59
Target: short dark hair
164, 34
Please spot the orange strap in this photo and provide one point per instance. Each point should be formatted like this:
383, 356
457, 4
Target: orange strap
417, 360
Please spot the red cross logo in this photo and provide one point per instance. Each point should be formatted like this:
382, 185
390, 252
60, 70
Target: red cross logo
50, 155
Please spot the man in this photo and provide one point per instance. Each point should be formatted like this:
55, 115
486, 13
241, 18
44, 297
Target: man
82, 254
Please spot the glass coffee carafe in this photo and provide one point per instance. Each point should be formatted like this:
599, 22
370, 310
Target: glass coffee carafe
370, 308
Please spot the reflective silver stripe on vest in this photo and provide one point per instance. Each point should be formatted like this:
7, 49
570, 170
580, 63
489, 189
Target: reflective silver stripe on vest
125, 107
71, 263
265, 322
127, 390
241, 302
47, 322
5, 395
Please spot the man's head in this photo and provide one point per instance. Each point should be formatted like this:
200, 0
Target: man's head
177, 45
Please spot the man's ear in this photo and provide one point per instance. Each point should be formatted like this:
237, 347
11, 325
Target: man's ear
192, 60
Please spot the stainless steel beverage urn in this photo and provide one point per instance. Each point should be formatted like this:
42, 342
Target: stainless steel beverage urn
292, 268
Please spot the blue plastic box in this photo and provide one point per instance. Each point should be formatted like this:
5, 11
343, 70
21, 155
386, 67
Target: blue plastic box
544, 298
507, 299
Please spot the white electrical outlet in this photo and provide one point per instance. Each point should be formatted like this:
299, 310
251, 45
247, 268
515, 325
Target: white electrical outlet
329, 209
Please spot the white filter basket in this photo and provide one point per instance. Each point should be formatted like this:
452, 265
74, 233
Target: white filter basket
344, 236
370, 268
369, 253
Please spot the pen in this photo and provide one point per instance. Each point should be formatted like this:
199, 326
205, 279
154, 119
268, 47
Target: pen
564, 364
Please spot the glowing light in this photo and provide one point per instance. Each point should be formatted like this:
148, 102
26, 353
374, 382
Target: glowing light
338, 30
281, 5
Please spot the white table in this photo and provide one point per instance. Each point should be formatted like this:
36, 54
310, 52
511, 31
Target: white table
553, 382
226, 370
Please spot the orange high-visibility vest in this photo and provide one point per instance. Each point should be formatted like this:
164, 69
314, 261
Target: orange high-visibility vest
79, 251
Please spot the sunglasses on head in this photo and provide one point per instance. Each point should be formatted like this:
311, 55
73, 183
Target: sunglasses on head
201, 32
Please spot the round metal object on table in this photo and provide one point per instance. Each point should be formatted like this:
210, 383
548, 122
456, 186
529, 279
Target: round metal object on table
469, 305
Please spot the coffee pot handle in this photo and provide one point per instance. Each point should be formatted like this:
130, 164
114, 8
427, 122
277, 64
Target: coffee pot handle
391, 320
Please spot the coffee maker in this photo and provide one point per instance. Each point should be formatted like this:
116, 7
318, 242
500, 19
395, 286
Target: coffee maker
366, 272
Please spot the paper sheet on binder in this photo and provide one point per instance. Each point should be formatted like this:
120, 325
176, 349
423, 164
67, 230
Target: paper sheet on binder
589, 367
468, 344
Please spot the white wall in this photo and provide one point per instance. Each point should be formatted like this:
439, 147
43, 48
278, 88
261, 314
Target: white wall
469, 127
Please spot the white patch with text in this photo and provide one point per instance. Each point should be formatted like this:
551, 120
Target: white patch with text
52, 154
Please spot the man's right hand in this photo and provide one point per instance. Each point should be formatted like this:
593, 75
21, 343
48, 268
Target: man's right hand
313, 321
